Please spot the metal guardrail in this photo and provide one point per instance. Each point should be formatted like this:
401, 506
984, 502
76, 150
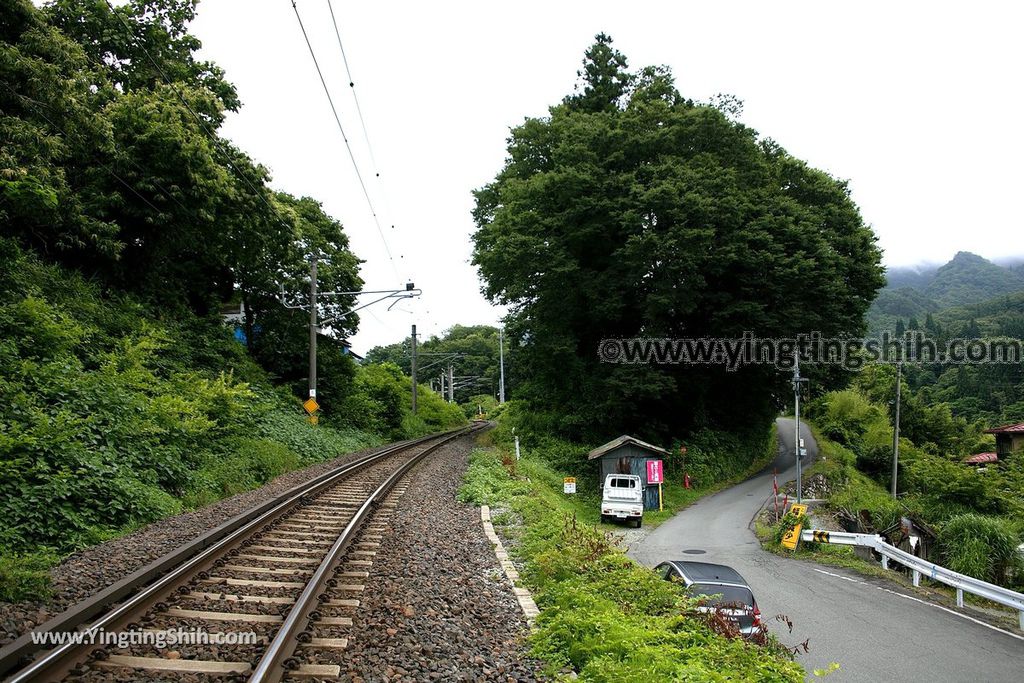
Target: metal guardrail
961, 582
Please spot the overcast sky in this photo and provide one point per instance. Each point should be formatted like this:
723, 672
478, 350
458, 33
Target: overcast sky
917, 104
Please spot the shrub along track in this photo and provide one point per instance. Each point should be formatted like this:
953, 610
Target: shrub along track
290, 571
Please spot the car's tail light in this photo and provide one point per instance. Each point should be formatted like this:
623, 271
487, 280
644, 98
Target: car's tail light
757, 616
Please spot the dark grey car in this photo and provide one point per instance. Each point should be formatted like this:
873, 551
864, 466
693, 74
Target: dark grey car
729, 589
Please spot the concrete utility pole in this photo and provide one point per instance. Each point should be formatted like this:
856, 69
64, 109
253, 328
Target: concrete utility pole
797, 380
501, 364
413, 368
312, 327
451, 383
896, 429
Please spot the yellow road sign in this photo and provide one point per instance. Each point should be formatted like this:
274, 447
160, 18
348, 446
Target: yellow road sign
313, 420
311, 405
792, 536
820, 536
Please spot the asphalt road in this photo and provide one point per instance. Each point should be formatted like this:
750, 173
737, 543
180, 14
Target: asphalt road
876, 630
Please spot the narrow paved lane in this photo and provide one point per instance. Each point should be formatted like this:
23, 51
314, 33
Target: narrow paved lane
874, 629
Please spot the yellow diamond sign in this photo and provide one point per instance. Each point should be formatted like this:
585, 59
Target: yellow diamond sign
311, 405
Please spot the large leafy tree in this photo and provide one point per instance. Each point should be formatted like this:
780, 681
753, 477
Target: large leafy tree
110, 162
632, 211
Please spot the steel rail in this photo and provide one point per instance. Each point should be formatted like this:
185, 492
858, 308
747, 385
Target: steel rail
173, 568
274, 663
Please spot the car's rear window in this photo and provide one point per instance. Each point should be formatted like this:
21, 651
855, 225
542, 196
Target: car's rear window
624, 483
729, 594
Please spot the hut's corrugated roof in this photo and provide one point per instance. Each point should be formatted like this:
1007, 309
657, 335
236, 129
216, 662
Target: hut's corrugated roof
622, 440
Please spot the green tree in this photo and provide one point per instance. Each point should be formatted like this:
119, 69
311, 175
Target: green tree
630, 211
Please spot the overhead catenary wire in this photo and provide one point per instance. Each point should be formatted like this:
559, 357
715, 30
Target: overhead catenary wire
352, 86
348, 146
359, 111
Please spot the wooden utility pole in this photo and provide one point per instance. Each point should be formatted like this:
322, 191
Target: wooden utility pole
896, 429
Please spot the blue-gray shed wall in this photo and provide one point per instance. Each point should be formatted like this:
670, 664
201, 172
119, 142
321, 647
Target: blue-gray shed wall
637, 458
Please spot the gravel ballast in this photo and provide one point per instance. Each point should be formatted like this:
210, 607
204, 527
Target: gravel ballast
91, 570
436, 605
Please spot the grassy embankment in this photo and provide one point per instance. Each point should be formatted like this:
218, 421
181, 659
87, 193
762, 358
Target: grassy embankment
114, 415
603, 616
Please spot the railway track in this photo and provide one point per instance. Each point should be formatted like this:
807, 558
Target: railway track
268, 597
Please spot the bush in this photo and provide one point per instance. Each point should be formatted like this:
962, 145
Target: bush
979, 546
112, 414
26, 577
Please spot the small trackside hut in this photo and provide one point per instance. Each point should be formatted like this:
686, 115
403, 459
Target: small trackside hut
629, 455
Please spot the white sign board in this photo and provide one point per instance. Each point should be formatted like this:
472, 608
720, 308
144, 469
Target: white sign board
569, 485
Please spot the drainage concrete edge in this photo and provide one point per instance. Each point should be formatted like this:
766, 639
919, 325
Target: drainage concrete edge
523, 597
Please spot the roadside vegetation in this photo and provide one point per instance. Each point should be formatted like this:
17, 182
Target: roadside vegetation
977, 514
603, 617
630, 210
713, 461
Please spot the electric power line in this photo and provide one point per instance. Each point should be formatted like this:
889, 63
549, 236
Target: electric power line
344, 137
362, 120
352, 86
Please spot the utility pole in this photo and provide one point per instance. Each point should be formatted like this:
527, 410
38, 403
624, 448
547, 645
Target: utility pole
413, 369
501, 364
451, 383
896, 430
312, 326
799, 464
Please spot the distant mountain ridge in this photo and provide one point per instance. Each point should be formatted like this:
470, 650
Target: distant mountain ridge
967, 279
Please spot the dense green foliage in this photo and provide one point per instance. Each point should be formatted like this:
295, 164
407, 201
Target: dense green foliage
113, 415
603, 616
111, 164
855, 436
980, 546
632, 211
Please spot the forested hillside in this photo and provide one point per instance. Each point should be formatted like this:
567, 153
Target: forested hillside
128, 223
913, 293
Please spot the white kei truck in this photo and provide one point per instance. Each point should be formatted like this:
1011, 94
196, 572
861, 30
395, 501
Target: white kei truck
622, 498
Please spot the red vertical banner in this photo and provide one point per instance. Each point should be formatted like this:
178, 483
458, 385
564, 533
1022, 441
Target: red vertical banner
655, 472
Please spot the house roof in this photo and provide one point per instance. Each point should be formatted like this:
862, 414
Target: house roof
1007, 429
981, 458
621, 441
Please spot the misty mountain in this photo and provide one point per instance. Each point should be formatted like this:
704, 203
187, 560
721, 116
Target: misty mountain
966, 280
